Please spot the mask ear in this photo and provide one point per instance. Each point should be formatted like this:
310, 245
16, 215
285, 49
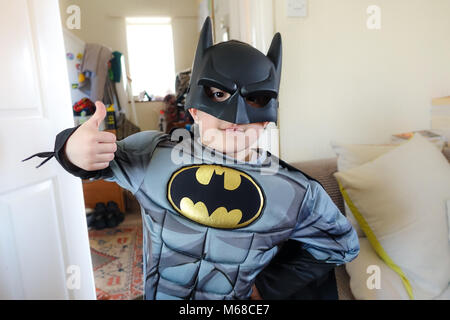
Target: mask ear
205, 41
275, 51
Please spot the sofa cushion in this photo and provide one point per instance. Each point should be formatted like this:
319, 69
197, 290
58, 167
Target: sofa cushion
399, 200
323, 170
351, 156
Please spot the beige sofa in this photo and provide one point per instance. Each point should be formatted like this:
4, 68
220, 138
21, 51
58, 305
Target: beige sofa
323, 170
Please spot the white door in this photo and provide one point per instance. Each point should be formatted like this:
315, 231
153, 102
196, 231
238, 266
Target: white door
44, 245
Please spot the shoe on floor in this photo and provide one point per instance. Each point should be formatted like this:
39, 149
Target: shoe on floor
113, 209
110, 218
99, 219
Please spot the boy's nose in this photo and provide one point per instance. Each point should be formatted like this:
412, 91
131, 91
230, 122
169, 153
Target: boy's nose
241, 112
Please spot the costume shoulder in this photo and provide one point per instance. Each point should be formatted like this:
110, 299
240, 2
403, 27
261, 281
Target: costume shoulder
142, 143
132, 158
284, 164
292, 168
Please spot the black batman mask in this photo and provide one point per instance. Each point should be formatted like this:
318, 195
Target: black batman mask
250, 77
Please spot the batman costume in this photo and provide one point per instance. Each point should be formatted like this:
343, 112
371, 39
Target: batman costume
214, 225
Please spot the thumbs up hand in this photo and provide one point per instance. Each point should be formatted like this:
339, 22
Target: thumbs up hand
91, 149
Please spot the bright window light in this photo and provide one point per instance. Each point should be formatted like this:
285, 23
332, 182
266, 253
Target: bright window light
151, 57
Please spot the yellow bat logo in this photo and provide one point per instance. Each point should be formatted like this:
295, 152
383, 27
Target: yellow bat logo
215, 196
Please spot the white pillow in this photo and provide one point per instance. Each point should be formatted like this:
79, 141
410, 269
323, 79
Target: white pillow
361, 272
351, 156
398, 200
391, 285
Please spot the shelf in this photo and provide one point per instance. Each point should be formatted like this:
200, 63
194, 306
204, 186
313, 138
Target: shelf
443, 101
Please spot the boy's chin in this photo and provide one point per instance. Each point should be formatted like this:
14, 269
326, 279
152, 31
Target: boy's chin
225, 150
233, 150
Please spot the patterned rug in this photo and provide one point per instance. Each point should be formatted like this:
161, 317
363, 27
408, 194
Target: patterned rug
117, 262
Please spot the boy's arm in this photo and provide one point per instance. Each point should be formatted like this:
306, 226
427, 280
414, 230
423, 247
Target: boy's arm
128, 166
86, 152
323, 230
60, 155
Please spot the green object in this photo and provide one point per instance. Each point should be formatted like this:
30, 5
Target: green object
110, 74
116, 66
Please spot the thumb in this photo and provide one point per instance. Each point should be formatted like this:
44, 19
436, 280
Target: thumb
99, 115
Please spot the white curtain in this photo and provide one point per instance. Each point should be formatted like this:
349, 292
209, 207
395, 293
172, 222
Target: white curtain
251, 21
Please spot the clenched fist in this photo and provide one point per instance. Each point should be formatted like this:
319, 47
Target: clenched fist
91, 149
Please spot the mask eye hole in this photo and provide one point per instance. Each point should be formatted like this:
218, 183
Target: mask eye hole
216, 94
258, 101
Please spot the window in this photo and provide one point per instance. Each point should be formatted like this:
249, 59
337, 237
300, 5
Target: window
151, 57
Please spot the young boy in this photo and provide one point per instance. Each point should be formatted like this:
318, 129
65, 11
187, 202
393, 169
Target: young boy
216, 211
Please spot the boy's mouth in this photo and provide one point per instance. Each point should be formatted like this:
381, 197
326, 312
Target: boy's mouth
233, 129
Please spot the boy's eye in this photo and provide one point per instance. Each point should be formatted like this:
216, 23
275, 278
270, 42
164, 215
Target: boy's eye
258, 101
216, 94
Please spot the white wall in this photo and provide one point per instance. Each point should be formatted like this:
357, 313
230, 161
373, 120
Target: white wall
344, 82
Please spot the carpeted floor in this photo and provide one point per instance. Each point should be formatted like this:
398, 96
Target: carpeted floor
117, 260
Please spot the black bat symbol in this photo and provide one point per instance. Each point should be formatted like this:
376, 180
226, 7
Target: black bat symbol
246, 197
